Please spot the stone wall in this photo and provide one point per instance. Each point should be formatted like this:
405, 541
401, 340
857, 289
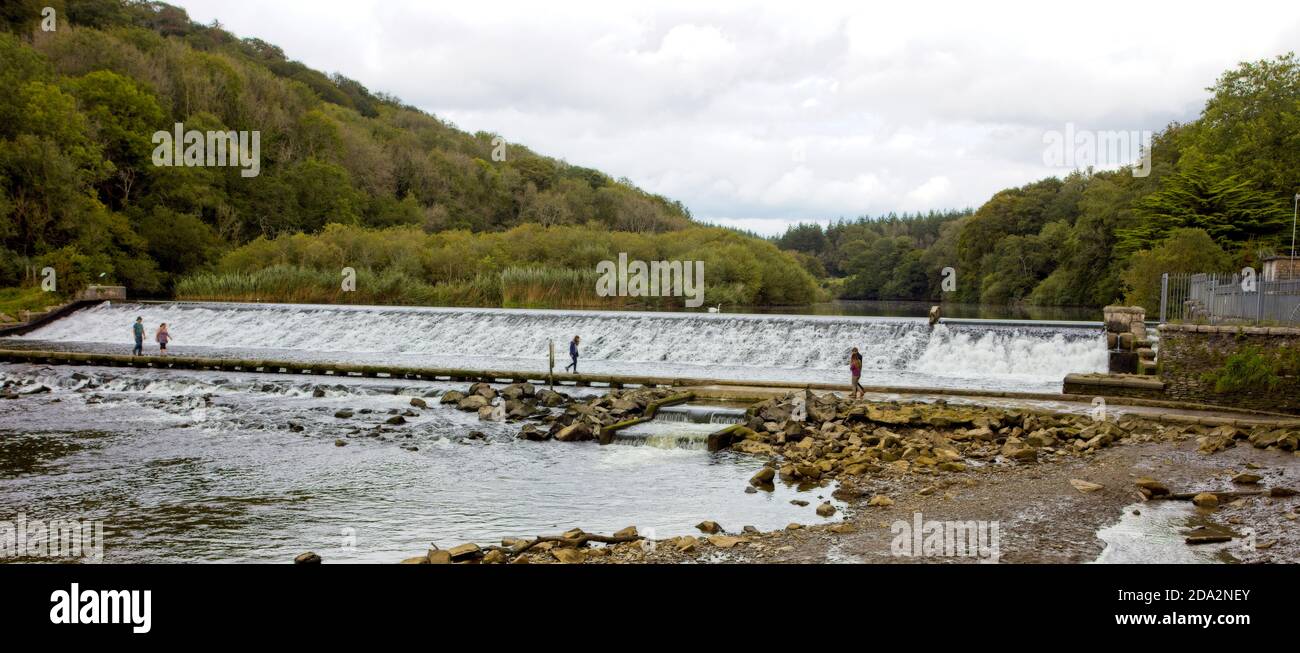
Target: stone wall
1188, 352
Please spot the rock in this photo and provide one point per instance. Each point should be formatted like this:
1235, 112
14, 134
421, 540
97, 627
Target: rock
451, 397
630, 531
1016, 449
483, 390
952, 467
343, 414
1207, 539
686, 543
418, 560
793, 526
1281, 492
472, 403
465, 552
880, 501
395, 420
726, 541
340, 443
419, 403
709, 527
1151, 487
574, 432
763, 477
825, 509
1206, 500
798, 502
531, 432
1246, 478
495, 556
569, 556
844, 528
1085, 486
308, 558
439, 557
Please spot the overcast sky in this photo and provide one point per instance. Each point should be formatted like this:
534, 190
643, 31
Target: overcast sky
760, 115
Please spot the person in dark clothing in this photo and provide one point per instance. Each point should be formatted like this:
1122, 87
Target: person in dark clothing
138, 328
573, 353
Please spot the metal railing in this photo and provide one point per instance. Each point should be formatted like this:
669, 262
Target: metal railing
1216, 298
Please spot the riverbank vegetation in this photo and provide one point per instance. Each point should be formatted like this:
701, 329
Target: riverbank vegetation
79, 190
1218, 198
526, 266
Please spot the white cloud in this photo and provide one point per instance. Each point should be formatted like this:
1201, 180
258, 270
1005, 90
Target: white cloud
762, 114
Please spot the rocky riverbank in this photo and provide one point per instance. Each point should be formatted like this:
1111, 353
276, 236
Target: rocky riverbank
1052, 479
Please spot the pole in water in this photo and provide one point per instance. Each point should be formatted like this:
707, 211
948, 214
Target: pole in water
550, 376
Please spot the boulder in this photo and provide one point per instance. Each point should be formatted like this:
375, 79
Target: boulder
574, 432
451, 397
569, 556
1206, 500
531, 432
468, 551
472, 403
419, 403
308, 558
1151, 487
726, 541
630, 531
438, 557
343, 414
483, 390
825, 509
395, 420
880, 501
709, 527
495, 556
1246, 478
763, 477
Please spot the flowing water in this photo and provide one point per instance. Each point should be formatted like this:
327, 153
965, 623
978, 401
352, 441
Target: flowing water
205, 466
896, 351
212, 466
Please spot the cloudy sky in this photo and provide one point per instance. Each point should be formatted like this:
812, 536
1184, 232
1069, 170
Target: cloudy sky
762, 114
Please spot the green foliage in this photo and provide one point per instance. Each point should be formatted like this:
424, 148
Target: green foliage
1254, 369
529, 265
1185, 250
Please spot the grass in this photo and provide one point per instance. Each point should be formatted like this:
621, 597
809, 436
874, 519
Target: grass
27, 298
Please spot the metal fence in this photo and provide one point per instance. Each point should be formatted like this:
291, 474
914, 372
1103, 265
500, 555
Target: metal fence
1216, 298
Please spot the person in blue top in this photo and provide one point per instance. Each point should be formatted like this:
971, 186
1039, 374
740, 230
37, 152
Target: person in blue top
139, 337
573, 353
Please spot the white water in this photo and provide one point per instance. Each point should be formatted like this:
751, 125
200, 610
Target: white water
896, 351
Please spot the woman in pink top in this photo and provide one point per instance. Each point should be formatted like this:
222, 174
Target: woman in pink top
163, 338
855, 366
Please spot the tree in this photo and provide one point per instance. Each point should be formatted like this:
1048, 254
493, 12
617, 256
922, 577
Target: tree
1185, 250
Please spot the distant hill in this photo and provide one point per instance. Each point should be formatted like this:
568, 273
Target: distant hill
79, 188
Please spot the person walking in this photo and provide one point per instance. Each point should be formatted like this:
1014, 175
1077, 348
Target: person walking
138, 329
163, 338
855, 368
573, 353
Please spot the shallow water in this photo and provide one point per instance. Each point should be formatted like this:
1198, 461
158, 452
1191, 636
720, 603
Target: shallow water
204, 466
1155, 532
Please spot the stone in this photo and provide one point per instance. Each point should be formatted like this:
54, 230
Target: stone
825, 509
1152, 487
395, 420
494, 557
686, 543
880, 501
419, 403
574, 432
1246, 478
726, 541
343, 414
465, 552
472, 403
709, 527
451, 397
1085, 486
418, 560
439, 557
569, 556
308, 558
340, 443
630, 531
1206, 500
763, 477
793, 526
844, 528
